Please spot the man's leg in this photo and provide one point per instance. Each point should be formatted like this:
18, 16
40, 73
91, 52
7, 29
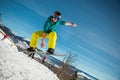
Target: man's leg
34, 39
52, 42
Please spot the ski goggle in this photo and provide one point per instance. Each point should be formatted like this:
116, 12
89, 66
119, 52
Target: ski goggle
56, 17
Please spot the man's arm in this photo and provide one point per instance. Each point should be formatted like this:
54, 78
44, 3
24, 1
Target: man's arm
70, 24
45, 31
67, 23
42, 41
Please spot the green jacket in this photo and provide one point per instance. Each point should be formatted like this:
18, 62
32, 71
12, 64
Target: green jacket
50, 26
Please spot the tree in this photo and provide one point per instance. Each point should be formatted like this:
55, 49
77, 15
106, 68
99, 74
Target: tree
65, 72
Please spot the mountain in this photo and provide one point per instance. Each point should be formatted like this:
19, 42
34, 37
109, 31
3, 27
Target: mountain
14, 37
22, 42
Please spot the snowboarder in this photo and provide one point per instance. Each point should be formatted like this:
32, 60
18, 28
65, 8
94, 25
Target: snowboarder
5, 36
49, 31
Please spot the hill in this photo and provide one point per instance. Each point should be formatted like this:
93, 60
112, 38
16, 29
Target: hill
15, 65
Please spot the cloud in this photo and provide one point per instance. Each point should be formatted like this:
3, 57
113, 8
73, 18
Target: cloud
102, 42
35, 6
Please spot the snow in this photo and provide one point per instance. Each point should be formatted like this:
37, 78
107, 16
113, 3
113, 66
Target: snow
26, 39
82, 75
16, 65
24, 45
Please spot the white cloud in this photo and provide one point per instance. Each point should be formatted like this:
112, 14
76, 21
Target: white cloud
35, 6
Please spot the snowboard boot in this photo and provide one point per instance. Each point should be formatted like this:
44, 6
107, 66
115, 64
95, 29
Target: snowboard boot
31, 49
50, 51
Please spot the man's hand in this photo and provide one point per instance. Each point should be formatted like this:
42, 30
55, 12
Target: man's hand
42, 44
74, 25
42, 41
70, 24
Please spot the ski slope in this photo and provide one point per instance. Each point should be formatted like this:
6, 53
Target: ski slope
16, 65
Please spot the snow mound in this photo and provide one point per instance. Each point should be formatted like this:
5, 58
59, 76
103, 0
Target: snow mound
16, 65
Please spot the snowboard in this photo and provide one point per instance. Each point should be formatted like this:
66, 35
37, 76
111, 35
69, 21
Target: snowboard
46, 53
40, 52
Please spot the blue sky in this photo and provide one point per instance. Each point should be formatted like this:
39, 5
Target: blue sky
95, 41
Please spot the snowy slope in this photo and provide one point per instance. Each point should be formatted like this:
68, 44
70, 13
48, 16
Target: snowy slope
16, 65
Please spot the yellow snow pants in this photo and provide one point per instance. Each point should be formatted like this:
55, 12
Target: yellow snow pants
52, 36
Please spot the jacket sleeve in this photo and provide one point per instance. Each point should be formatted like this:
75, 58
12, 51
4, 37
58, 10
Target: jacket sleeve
46, 25
62, 22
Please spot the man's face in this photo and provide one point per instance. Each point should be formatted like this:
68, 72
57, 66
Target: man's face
55, 18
